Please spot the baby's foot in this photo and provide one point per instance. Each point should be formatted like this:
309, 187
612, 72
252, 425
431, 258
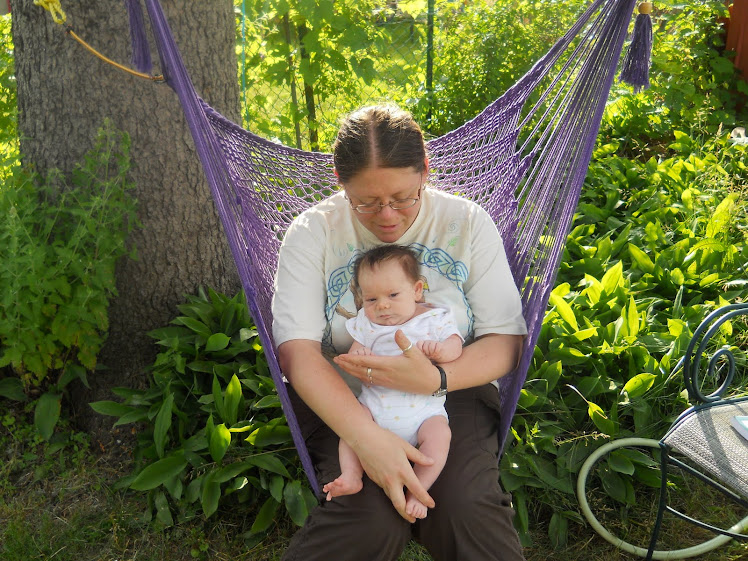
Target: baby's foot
344, 485
414, 507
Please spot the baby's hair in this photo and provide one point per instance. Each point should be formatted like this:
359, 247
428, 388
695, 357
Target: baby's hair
405, 256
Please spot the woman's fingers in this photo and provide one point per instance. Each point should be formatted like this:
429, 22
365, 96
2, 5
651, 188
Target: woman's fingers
402, 341
386, 459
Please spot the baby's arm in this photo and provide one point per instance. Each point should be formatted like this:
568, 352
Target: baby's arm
445, 351
358, 349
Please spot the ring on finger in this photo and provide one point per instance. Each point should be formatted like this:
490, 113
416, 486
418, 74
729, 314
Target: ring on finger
405, 350
368, 373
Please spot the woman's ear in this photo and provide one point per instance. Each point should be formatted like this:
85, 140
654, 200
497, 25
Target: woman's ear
335, 171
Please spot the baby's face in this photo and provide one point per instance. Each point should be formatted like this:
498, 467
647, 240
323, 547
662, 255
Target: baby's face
389, 295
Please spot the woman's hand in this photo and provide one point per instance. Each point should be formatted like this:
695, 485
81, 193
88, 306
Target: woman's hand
410, 372
387, 458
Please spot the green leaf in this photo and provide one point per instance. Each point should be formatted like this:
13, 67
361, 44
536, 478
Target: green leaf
276, 487
270, 463
218, 398
526, 398
602, 422
163, 424
650, 476
230, 471
12, 388
564, 310
47, 413
677, 277
211, 494
614, 485
268, 435
558, 530
639, 385
220, 439
158, 472
72, 372
163, 513
641, 259
217, 342
265, 517
267, 402
195, 325
295, 503
620, 463
632, 318
231, 400
613, 278
584, 334
245, 334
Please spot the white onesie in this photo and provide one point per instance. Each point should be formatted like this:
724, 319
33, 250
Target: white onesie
398, 411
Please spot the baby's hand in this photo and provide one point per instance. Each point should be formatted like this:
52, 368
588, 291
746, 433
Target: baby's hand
430, 348
362, 351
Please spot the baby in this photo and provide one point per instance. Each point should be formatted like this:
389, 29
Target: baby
387, 283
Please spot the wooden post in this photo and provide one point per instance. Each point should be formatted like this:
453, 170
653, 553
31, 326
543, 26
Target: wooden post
737, 35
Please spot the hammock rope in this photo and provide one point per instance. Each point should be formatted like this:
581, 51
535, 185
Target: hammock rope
141, 57
524, 159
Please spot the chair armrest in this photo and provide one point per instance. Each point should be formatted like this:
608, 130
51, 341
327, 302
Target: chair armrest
721, 359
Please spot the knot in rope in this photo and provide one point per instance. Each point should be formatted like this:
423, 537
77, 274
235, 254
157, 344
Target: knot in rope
54, 8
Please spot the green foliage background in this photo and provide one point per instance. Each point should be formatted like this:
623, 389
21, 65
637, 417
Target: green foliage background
659, 239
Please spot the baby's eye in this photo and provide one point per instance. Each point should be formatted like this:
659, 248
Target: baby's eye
371, 300
394, 295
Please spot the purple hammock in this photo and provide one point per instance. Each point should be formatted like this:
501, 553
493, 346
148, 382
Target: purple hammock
523, 159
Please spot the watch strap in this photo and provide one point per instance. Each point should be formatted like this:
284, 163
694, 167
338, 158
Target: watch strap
442, 391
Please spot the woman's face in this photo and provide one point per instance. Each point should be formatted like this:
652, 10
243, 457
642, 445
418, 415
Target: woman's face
384, 186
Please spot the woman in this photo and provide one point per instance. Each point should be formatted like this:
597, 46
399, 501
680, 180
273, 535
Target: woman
381, 163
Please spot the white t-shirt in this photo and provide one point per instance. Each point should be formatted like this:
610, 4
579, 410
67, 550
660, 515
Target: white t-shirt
459, 249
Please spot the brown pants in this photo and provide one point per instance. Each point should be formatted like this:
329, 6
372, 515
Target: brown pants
472, 519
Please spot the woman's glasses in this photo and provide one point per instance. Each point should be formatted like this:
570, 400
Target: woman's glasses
373, 208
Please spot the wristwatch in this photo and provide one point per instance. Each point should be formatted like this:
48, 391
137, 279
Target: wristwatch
442, 391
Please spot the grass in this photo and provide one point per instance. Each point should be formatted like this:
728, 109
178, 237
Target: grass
60, 502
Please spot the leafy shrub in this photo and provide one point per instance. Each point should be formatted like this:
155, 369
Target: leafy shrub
214, 432
58, 246
693, 83
8, 108
483, 48
654, 247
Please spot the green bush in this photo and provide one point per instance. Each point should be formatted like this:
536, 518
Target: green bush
214, 432
482, 48
654, 247
8, 105
58, 247
694, 86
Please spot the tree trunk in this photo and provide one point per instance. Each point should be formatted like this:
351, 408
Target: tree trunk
65, 93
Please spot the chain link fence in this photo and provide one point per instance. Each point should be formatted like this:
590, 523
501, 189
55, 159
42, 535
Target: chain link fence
299, 76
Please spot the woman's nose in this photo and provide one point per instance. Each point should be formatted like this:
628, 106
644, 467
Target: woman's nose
387, 210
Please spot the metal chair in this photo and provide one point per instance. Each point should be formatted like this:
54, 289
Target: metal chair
718, 454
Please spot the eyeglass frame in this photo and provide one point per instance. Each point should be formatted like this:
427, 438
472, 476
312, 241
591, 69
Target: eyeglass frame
381, 205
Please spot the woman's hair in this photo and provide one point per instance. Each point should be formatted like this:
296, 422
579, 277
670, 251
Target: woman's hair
382, 136
404, 256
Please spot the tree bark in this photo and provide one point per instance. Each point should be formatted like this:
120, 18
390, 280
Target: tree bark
65, 93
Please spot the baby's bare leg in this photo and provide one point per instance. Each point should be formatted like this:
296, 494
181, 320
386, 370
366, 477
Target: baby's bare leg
349, 482
433, 440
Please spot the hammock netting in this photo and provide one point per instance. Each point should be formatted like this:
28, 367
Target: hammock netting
524, 159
